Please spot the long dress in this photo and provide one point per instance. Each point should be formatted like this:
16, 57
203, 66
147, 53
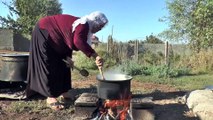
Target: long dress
52, 41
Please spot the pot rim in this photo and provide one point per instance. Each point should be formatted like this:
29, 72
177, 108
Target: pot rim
114, 77
14, 54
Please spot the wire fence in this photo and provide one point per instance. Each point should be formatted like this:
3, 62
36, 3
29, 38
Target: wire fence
134, 49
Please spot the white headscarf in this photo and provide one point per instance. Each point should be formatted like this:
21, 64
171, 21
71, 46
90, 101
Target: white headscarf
94, 19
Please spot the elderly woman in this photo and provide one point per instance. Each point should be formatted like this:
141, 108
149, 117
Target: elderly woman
54, 38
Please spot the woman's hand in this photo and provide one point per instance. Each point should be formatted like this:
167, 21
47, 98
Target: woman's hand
99, 61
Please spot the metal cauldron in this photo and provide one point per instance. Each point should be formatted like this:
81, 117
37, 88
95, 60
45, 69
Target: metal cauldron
13, 67
114, 87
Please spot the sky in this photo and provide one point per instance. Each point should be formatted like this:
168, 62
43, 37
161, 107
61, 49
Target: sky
128, 19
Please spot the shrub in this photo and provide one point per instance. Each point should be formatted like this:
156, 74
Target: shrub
161, 71
150, 58
201, 62
109, 61
82, 61
167, 71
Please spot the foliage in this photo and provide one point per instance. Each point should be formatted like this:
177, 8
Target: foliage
83, 61
151, 58
165, 71
201, 62
190, 20
28, 12
131, 68
153, 39
173, 57
202, 25
109, 60
161, 71
23, 106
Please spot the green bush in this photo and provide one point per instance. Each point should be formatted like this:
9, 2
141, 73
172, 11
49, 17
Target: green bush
165, 71
130, 68
161, 71
109, 61
150, 58
82, 61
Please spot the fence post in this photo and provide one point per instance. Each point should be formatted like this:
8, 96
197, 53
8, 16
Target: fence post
166, 52
136, 50
108, 46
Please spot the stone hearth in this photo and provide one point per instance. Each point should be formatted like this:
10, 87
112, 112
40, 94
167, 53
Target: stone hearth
140, 107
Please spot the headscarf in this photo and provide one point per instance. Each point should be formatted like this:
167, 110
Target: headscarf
94, 19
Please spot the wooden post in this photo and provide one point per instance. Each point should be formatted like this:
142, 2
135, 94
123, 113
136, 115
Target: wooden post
108, 45
136, 50
166, 52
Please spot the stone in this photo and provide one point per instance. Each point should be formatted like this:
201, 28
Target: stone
85, 105
200, 102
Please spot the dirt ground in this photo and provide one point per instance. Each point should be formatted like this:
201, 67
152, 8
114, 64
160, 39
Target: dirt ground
166, 104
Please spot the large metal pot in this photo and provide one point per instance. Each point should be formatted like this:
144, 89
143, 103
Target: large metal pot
13, 67
114, 87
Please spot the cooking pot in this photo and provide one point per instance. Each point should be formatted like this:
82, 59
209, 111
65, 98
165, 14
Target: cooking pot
13, 67
114, 86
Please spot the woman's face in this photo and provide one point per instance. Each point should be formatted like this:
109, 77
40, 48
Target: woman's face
97, 28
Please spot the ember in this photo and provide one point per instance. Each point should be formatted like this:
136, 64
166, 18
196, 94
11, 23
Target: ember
113, 110
90, 107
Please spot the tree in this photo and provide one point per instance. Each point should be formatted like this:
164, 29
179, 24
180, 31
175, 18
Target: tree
152, 39
202, 25
190, 20
28, 12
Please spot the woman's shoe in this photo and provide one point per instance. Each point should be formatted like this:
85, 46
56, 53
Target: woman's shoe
54, 104
71, 94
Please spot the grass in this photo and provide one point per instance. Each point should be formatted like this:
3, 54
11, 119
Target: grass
189, 82
36, 107
193, 82
30, 106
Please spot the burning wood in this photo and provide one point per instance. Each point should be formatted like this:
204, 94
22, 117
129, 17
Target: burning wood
90, 107
113, 110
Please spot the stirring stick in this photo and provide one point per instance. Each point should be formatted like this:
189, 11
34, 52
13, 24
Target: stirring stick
101, 72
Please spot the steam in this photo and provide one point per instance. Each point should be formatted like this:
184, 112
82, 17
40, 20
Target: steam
115, 74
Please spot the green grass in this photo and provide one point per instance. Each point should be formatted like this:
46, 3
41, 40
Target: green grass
191, 82
36, 107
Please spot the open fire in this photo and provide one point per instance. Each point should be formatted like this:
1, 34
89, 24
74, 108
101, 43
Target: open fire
113, 110
91, 107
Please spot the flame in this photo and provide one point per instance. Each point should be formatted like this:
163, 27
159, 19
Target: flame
115, 109
114, 104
